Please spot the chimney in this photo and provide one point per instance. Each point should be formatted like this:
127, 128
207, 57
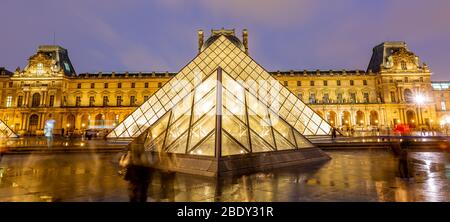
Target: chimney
200, 39
245, 40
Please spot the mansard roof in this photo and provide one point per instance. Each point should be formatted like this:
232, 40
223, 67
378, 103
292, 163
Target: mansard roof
125, 74
5, 72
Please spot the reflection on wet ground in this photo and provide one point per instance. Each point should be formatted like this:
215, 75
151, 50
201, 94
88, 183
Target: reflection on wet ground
363, 175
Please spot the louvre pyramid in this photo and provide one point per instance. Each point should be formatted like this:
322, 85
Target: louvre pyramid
5, 131
240, 67
220, 117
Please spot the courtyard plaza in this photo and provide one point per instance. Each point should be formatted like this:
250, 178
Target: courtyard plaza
92, 175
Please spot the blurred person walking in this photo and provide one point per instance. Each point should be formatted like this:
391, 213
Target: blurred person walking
137, 167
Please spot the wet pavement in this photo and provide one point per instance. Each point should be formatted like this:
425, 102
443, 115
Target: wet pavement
361, 175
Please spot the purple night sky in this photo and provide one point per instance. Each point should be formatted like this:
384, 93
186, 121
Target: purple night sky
160, 35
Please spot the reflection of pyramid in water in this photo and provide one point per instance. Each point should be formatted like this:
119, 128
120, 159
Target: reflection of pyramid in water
221, 118
225, 53
5, 131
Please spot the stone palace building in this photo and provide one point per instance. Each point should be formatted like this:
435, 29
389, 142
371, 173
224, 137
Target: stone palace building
396, 88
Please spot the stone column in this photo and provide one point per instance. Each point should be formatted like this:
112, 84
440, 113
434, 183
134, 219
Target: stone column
366, 118
338, 118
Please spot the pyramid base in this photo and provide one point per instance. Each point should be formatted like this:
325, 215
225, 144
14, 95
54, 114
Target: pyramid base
239, 164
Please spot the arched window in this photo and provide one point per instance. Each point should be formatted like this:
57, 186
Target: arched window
36, 100
408, 96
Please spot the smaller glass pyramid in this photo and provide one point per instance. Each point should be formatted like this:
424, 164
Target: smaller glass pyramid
220, 117
5, 131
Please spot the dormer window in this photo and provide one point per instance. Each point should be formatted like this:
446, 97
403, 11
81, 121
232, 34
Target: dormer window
40, 68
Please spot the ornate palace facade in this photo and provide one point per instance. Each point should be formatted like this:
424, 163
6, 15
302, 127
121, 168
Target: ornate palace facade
395, 88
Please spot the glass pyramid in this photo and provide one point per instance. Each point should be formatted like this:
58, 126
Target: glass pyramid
220, 117
5, 131
243, 69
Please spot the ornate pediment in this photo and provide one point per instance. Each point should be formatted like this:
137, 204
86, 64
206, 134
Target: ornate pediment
402, 59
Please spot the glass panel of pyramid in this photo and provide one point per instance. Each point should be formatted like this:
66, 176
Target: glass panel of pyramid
241, 68
245, 130
5, 131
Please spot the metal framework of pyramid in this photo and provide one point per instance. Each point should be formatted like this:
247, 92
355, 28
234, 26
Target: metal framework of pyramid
240, 67
222, 118
223, 114
5, 131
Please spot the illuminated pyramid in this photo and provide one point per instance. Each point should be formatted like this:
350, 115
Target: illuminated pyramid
5, 131
223, 49
232, 118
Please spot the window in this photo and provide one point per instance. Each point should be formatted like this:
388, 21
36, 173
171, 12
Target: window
391, 81
326, 97
159, 85
353, 97
366, 97
312, 98
79, 85
119, 85
52, 101
78, 101
91, 101
132, 100
19, 101
105, 100
443, 107
393, 97
10, 84
119, 100
352, 82
338, 82
106, 85
403, 64
133, 85
406, 79
146, 85
40, 68
325, 82
8, 101
36, 100
92, 85
339, 97
299, 83
365, 82
285, 83
311, 83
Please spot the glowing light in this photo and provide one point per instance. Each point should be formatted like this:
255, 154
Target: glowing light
68, 125
83, 125
419, 99
361, 122
376, 121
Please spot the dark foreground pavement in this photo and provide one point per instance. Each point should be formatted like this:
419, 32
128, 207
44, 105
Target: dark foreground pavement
357, 175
